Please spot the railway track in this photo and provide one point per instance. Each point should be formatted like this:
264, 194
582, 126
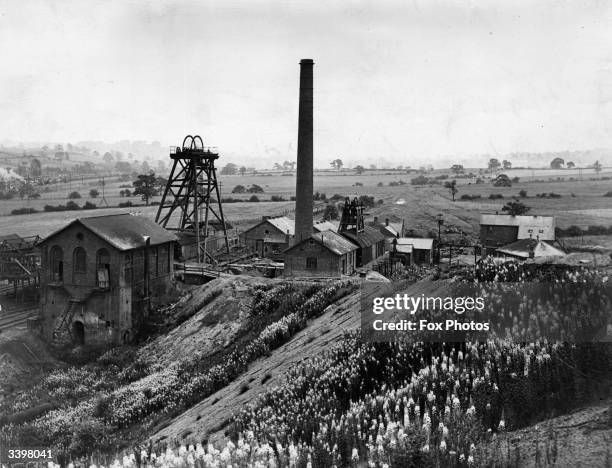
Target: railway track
16, 317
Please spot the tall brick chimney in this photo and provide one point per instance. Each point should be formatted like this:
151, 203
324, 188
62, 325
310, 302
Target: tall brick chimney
303, 189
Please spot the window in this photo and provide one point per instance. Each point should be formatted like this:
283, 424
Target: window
162, 260
311, 263
57, 264
103, 269
79, 260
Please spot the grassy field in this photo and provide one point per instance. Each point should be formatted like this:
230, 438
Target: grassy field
581, 203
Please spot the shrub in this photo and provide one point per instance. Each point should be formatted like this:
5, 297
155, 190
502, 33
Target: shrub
254, 198
495, 196
276, 198
608, 194
93, 193
89, 206
74, 195
239, 189
523, 194
24, 210
125, 204
255, 189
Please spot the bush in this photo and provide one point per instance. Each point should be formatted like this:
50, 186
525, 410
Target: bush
25, 210
125, 204
608, 194
254, 198
89, 206
276, 198
255, 189
239, 189
470, 197
523, 194
74, 195
495, 196
93, 193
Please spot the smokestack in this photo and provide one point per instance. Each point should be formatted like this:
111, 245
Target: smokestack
303, 191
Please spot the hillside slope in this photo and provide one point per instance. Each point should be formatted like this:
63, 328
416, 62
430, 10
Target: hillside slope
208, 418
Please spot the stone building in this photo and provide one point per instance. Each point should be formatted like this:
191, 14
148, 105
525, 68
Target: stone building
325, 254
100, 277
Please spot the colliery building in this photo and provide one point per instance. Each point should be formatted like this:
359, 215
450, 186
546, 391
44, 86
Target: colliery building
325, 254
101, 275
270, 237
370, 244
498, 230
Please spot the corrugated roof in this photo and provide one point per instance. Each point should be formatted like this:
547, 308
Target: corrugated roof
404, 248
123, 231
522, 248
417, 243
283, 224
332, 241
326, 226
367, 238
528, 226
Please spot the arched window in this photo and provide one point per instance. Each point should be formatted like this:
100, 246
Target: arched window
102, 269
79, 260
56, 257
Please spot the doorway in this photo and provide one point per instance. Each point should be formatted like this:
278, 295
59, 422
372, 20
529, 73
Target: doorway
78, 333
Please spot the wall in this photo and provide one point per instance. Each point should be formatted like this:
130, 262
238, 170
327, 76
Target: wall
266, 231
328, 264
498, 235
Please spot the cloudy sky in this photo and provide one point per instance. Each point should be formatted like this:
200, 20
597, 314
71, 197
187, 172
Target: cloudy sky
403, 81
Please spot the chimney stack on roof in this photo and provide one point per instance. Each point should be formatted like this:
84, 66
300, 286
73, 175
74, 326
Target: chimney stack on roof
304, 191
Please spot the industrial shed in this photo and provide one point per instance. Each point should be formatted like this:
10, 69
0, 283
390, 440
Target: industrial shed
497, 230
325, 254
418, 250
270, 237
529, 248
370, 243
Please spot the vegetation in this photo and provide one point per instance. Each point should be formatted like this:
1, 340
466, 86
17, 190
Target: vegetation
452, 188
147, 186
515, 208
74, 195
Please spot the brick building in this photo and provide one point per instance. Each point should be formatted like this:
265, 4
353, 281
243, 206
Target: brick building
325, 254
100, 276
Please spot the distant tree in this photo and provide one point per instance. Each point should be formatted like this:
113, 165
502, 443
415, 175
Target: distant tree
337, 164
255, 189
597, 167
330, 213
523, 194
557, 163
457, 168
289, 165
35, 168
380, 184
145, 167
146, 185
59, 147
71, 205
278, 166
359, 169
74, 195
373, 167
123, 166
494, 164
93, 193
242, 170
452, 188
108, 158
570, 164
254, 198
515, 208
26, 190
239, 189
229, 169
89, 206
502, 180
45, 148
506, 164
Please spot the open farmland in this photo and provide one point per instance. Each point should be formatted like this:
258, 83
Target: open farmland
581, 203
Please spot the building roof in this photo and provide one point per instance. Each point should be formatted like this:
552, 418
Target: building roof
404, 248
325, 226
542, 227
367, 238
522, 248
122, 231
332, 241
417, 243
283, 224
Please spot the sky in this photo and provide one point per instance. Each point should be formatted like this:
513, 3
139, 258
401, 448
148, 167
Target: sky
403, 81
